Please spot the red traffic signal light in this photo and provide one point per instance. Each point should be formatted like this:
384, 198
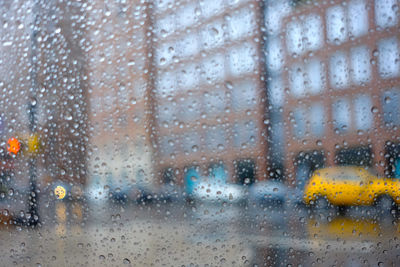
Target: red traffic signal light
13, 145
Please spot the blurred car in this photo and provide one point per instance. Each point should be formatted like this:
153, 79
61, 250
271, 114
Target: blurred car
216, 190
131, 192
351, 186
96, 191
169, 192
268, 193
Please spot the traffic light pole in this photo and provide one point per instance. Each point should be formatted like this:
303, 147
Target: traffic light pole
32, 104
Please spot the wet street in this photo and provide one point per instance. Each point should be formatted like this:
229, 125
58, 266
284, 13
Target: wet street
171, 234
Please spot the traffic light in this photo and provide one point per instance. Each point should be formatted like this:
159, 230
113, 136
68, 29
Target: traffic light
13, 146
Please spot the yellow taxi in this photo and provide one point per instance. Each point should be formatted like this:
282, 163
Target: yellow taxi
350, 186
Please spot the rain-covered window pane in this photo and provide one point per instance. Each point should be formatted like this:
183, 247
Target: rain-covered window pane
188, 46
191, 142
294, 37
317, 119
360, 64
313, 32
213, 35
363, 112
391, 107
241, 23
299, 126
315, 76
215, 138
336, 24
275, 54
339, 70
244, 95
297, 81
276, 95
389, 58
242, 60
213, 69
215, 102
341, 114
199, 133
188, 77
358, 18
244, 134
386, 13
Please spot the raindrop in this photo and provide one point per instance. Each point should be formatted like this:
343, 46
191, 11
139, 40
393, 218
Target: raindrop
126, 261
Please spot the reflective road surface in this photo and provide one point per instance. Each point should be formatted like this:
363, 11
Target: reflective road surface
182, 234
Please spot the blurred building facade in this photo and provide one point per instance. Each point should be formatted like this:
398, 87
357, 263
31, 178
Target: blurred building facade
339, 74
119, 80
209, 110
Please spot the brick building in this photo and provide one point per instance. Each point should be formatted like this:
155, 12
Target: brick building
209, 91
342, 74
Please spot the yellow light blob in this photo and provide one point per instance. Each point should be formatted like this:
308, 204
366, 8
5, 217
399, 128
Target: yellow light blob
59, 192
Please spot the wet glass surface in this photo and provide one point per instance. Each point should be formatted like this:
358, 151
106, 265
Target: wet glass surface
199, 133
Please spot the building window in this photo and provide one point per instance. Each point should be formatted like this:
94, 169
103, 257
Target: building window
191, 142
304, 34
360, 65
358, 18
164, 54
218, 172
362, 112
386, 15
391, 107
215, 102
299, 126
215, 138
188, 45
192, 177
297, 81
244, 95
166, 84
294, 37
315, 76
244, 134
245, 171
339, 70
211, 7
389, 58
307, 78
241, 24
186, 16
213, 35
242, 60
274, 54
189, 109
168, 145
214, 68
341, 114
336, 25
317, 119
275, 93
346, 21
166, 112
187, 77
359, 156
168, 176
